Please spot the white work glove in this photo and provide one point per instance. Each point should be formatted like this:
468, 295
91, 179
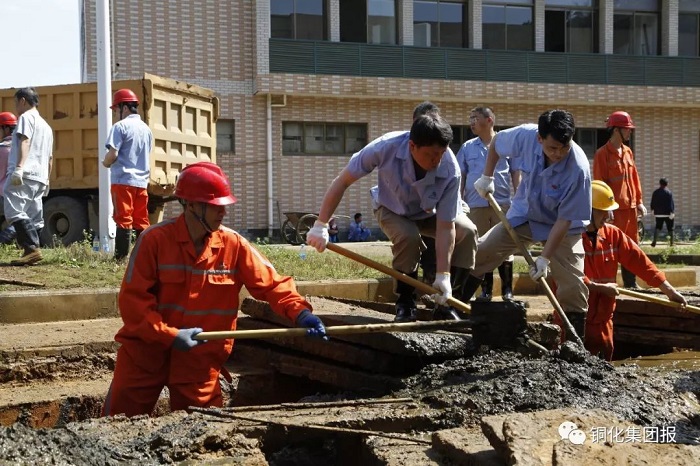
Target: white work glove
539, 270
16, 177
642, 210
671, 215
484, 185
444, 286
317, 237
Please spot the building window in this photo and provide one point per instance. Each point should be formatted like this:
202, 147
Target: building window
592, 139
463, 133
368, 21
439, 23
226, 136
508, 25
571, 26
299, 19
636, 27
317, 138
689, 28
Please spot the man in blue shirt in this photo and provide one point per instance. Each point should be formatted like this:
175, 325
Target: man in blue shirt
358, 231
552, 206
417, 193
472, 159
129, 145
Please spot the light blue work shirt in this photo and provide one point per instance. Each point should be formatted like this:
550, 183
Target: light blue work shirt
472, 159
436, 194
545, 195
133, 140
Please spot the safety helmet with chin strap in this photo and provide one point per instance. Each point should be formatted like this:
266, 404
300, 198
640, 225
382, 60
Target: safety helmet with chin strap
603, 197
123, 96
204, 182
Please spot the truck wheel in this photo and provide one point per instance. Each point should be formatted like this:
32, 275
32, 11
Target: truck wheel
66, 219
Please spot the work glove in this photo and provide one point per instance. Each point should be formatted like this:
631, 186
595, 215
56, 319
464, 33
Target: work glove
671, 216
184, 341
539, 270
484, 185
16, 177
314, 326
444, 286
317, 237
642, 210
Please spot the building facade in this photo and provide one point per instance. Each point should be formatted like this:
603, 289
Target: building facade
305, 83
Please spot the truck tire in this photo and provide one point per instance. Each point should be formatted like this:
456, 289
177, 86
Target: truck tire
66, 219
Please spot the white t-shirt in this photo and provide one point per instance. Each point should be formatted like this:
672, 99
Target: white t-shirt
35, 128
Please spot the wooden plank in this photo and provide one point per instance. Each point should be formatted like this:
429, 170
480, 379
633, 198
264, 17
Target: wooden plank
662, 322
636, 306
656, 337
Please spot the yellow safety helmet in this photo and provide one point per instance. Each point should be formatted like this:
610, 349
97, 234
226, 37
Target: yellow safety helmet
603, 198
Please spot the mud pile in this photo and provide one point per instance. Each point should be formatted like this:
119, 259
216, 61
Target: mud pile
452, 394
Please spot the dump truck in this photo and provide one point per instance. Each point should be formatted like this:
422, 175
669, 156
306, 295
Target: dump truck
182, 117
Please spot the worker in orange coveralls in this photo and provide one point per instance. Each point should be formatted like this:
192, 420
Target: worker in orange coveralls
606, 246
614, 164
184, 277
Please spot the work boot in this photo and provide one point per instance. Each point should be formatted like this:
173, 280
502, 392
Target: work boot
8, 235
628, 279
670, 236
137, 233
578, 322
464, 284
405, 304
486, 288
505, 271
446, 313
121, 243
653, 241
428, 260
28, 239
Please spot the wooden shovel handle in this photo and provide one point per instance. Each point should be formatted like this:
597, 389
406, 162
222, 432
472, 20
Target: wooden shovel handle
335, 330
419, 285
656, 299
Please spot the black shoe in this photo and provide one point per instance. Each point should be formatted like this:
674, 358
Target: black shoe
485, 297
445, 313
508, 295
405, 312
653, 245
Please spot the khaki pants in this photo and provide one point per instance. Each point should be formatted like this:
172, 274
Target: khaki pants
486, 218
406, 244
566, 265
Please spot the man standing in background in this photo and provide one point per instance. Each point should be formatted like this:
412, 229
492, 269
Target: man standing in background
472, 159
663, 208
28, 168
614, 164
129, 144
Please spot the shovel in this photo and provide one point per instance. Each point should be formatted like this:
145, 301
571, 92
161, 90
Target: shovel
335, 330
419, 285
656, 299
526, 254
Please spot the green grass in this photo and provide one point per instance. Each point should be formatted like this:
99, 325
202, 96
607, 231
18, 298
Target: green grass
77, 266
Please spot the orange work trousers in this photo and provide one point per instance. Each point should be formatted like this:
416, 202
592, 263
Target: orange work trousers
626, 220
130, 207
135, 391
598, 338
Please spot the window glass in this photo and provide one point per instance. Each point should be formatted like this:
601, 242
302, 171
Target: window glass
381, 21
520, 30
353, 21
494, 27
573, 3
646, 27
582, 32
291, 138
555, 31
688, 6
452, 20
282, 18
313, 138
425, 24
688, 37
637, 5
355, 138
623, 26
334, 139
225, 136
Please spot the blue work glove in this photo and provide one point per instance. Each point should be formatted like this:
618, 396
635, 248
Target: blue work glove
184, 341
314, 326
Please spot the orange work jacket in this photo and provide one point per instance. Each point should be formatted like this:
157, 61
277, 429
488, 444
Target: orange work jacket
613, 247
167, 286
619, 171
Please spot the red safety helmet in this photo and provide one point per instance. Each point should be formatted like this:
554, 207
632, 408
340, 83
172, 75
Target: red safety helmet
8, 119
204, 182
619, 120
123, 96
